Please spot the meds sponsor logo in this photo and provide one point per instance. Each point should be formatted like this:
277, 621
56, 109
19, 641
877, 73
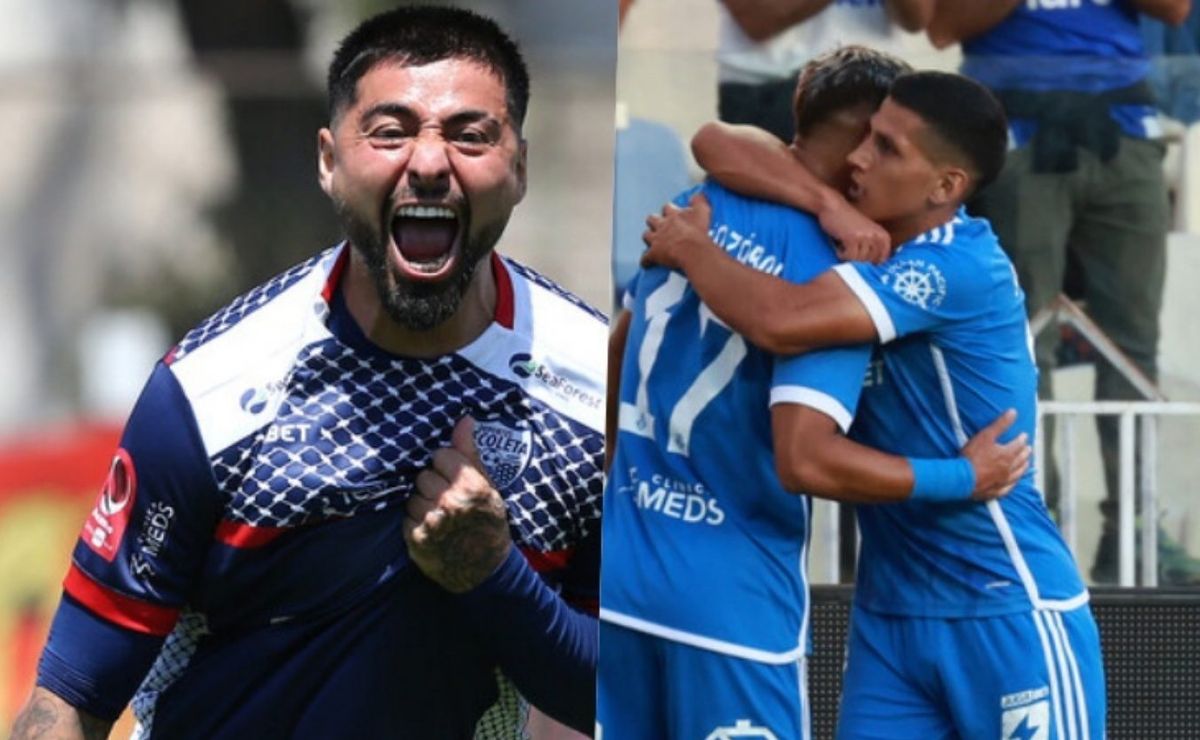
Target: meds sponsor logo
688, 501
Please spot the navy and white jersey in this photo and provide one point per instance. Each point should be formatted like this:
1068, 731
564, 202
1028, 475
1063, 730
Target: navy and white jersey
956, 354
1084, 46
702, 544
247, 548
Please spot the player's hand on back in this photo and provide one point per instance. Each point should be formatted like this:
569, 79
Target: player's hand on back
856, 238
457, 526
677, 231
997, 466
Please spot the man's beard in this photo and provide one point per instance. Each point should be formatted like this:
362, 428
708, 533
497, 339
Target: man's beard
417, 306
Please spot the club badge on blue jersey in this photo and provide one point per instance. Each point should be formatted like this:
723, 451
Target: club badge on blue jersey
505, 448
917, 281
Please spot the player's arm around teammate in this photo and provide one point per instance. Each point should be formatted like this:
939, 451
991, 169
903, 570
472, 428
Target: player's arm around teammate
784, 318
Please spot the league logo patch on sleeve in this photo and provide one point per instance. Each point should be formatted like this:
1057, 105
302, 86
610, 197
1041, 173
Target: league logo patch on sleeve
105, 526
505, 448
918, 282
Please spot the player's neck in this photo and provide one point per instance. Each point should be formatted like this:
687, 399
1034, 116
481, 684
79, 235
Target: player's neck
824, 168
475, 313
905, 229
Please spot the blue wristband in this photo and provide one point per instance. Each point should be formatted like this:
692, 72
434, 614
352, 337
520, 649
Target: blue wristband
942, 479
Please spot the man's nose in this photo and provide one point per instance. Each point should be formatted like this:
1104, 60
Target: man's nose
429, 166
860, 157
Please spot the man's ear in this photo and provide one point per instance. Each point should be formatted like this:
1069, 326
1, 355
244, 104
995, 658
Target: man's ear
952, 186
326, 160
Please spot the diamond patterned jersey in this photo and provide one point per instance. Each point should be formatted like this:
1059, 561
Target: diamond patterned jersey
274, 450
374, 422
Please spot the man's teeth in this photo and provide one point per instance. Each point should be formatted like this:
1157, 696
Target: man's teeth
424, 212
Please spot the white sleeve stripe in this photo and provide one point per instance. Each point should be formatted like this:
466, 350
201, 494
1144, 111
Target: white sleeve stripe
870, 301
814, 399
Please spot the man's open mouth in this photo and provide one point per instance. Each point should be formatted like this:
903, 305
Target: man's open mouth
426, 237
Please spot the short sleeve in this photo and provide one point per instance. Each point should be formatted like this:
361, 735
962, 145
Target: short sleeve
828, 380
922, 288
143, 544
137, 557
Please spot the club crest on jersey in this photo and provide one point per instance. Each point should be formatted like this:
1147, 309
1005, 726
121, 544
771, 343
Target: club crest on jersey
918, 282
106, 525
505, 448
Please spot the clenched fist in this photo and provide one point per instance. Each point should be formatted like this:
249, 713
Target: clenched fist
457, 528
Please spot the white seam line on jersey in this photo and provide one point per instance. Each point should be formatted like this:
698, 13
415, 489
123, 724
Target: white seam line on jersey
1048, 655
939, 362
1064, 674
875, 308
948, 236
700, 641
1014, 553
1001, 522
813, 399
1073, 664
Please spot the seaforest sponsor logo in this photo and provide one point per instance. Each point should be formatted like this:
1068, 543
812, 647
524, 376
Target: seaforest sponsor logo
1026, 715
524, 365
688, 501
256, 399
105, 526
505, 448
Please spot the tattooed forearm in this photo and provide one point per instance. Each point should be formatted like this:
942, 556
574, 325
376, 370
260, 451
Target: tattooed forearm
48, 717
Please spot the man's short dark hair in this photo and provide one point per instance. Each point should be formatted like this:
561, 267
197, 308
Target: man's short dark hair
843, 78
963, 115
422, 34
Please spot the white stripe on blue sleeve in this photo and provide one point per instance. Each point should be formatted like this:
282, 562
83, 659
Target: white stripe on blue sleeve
814, 399
879, 315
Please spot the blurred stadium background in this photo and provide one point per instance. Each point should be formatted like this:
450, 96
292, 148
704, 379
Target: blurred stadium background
160, 161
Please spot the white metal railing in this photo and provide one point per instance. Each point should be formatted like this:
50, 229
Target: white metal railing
1067, 414
1130, 414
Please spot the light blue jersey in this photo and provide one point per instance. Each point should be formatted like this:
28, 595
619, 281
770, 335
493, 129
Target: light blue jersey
956, 355
702, 545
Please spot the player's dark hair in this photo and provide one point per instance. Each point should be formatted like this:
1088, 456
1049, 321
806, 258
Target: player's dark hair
963, 115
422, 34
843, 78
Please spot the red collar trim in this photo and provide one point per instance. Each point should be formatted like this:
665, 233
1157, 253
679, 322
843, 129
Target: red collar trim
335, 275
505, 304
